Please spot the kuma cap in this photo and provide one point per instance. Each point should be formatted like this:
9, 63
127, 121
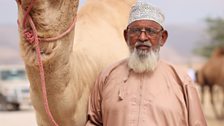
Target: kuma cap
144, 10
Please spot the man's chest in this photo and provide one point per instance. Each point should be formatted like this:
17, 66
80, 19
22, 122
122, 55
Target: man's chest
140, 98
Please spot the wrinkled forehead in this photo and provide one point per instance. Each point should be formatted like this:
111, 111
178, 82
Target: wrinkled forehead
145, 23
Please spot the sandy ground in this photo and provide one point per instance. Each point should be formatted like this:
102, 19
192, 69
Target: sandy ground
26, 117
208, 111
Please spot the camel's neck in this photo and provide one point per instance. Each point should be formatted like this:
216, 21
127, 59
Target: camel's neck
51, 17
130, 2
121, 12
116, 11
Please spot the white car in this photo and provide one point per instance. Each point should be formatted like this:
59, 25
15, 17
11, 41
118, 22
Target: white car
14, 87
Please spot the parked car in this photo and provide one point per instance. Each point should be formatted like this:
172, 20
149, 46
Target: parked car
14, 88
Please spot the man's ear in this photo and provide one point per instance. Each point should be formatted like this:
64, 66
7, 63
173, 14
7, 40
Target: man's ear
125, 34
164, 37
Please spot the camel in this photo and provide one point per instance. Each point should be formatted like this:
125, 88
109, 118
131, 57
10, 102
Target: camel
211, 74
72, 62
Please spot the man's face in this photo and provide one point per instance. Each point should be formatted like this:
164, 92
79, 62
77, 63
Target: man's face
144, 39
142, 31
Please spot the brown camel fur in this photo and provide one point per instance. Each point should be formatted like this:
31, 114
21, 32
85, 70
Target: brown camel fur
72, 63
211, 74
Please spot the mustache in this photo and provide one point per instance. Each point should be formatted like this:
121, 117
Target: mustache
146, 43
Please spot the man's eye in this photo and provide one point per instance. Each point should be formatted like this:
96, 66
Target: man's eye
149, 30
135, 30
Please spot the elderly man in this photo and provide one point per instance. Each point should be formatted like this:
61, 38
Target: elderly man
143, 90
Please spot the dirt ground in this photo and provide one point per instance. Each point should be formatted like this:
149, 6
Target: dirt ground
208, 110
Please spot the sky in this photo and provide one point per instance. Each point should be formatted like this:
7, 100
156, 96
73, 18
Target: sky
176, 11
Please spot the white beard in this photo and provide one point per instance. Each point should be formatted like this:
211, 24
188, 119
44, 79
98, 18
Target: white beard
143, 61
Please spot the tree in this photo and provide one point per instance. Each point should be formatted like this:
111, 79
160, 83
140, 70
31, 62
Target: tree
216, 32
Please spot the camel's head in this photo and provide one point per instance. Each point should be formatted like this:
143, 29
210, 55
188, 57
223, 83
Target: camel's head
199, 78
196, 76
218, 52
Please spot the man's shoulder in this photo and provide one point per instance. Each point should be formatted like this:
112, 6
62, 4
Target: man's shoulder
179, 72
107, 70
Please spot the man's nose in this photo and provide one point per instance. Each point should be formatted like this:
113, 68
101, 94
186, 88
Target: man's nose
143, 37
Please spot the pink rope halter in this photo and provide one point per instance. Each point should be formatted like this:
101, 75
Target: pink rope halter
32, 37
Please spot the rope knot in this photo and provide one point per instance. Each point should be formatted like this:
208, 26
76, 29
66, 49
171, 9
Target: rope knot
29, 35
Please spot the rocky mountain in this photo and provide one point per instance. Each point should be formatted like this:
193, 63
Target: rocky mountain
178, 48
182, 40
9, 46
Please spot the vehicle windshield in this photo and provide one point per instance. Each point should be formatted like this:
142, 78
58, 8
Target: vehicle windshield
18, 74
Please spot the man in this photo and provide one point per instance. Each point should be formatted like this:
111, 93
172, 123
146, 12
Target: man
143, 90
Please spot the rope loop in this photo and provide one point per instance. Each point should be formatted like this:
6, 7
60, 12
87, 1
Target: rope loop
29, 35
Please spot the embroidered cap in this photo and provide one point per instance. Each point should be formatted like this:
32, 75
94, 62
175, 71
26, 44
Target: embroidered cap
144, 10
